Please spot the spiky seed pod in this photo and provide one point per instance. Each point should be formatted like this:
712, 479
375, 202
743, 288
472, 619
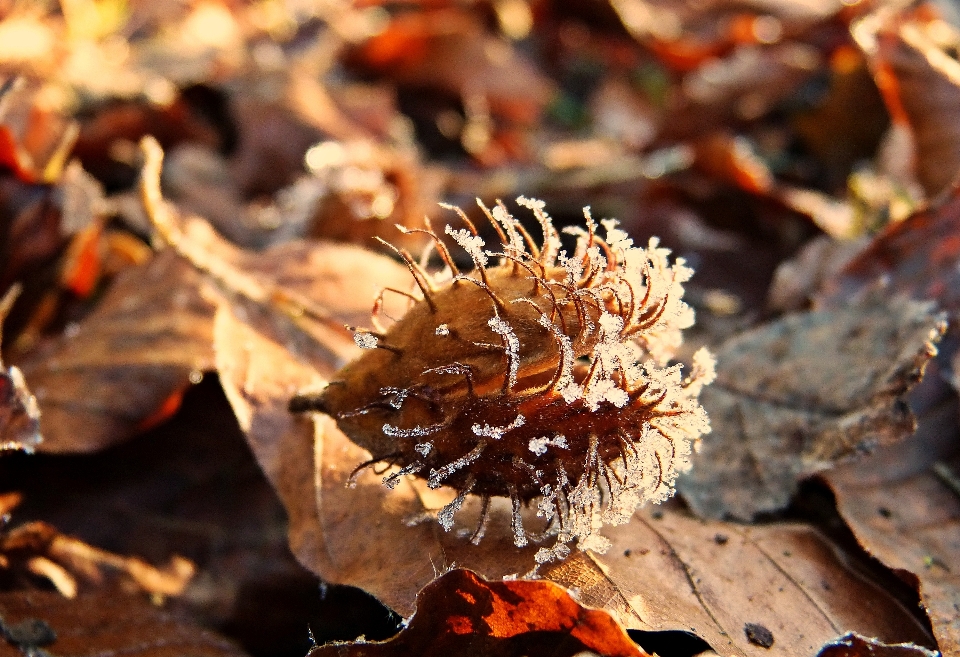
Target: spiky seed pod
536, 375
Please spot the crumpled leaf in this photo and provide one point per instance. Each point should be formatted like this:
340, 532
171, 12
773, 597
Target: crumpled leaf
920, 83
665, 571
916, 256
126, 363
911, 524
460, 613
852, 644
794, 396
670, 571
451, 49
42, 622
34, 140
68, 563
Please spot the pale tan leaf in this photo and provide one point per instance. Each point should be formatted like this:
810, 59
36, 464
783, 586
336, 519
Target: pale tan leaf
912, 525
669, 571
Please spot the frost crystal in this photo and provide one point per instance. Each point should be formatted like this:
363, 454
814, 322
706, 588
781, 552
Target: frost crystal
365, 340
472, 244
539, 445
496, 432
415, 432
445, 516
437, 476
512, 346
423, 448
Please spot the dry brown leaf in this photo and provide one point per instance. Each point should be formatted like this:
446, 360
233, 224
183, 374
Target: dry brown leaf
921, 86
794, 396
460, 613
912, 525
41, 622
916, 256
854, 645
70, 565
669, 571
124, 365
451, 49
796, 279
665, 571
19, 414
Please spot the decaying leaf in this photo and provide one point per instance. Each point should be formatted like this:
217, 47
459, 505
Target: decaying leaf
45, 623
916, 256
37, 549
461, 613
669, 571
794, 396
125, 364
920, 83
34, 140
852, 644
912, 525
19, 413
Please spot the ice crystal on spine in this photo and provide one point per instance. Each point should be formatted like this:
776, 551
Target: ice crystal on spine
541, 376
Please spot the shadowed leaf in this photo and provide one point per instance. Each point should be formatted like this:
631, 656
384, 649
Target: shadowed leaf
40, 622
98, 383
794, 396
854, 645
912, 525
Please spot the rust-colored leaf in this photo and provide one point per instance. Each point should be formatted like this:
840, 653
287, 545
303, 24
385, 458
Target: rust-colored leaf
41, 622
146, 339
34, 139
463, 614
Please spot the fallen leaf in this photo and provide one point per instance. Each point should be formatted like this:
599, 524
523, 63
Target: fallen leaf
460, 613
450, 49
852, 644
920, 84
34, 139
916, 257
665, 571
19, 414
796, 280
912, 525
41, 622
67, 563
670, 571
794, 396
146, 339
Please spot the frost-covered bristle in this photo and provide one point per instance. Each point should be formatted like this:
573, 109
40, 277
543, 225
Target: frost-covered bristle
539, 376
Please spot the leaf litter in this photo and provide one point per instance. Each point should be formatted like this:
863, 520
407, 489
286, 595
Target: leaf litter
270, 323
